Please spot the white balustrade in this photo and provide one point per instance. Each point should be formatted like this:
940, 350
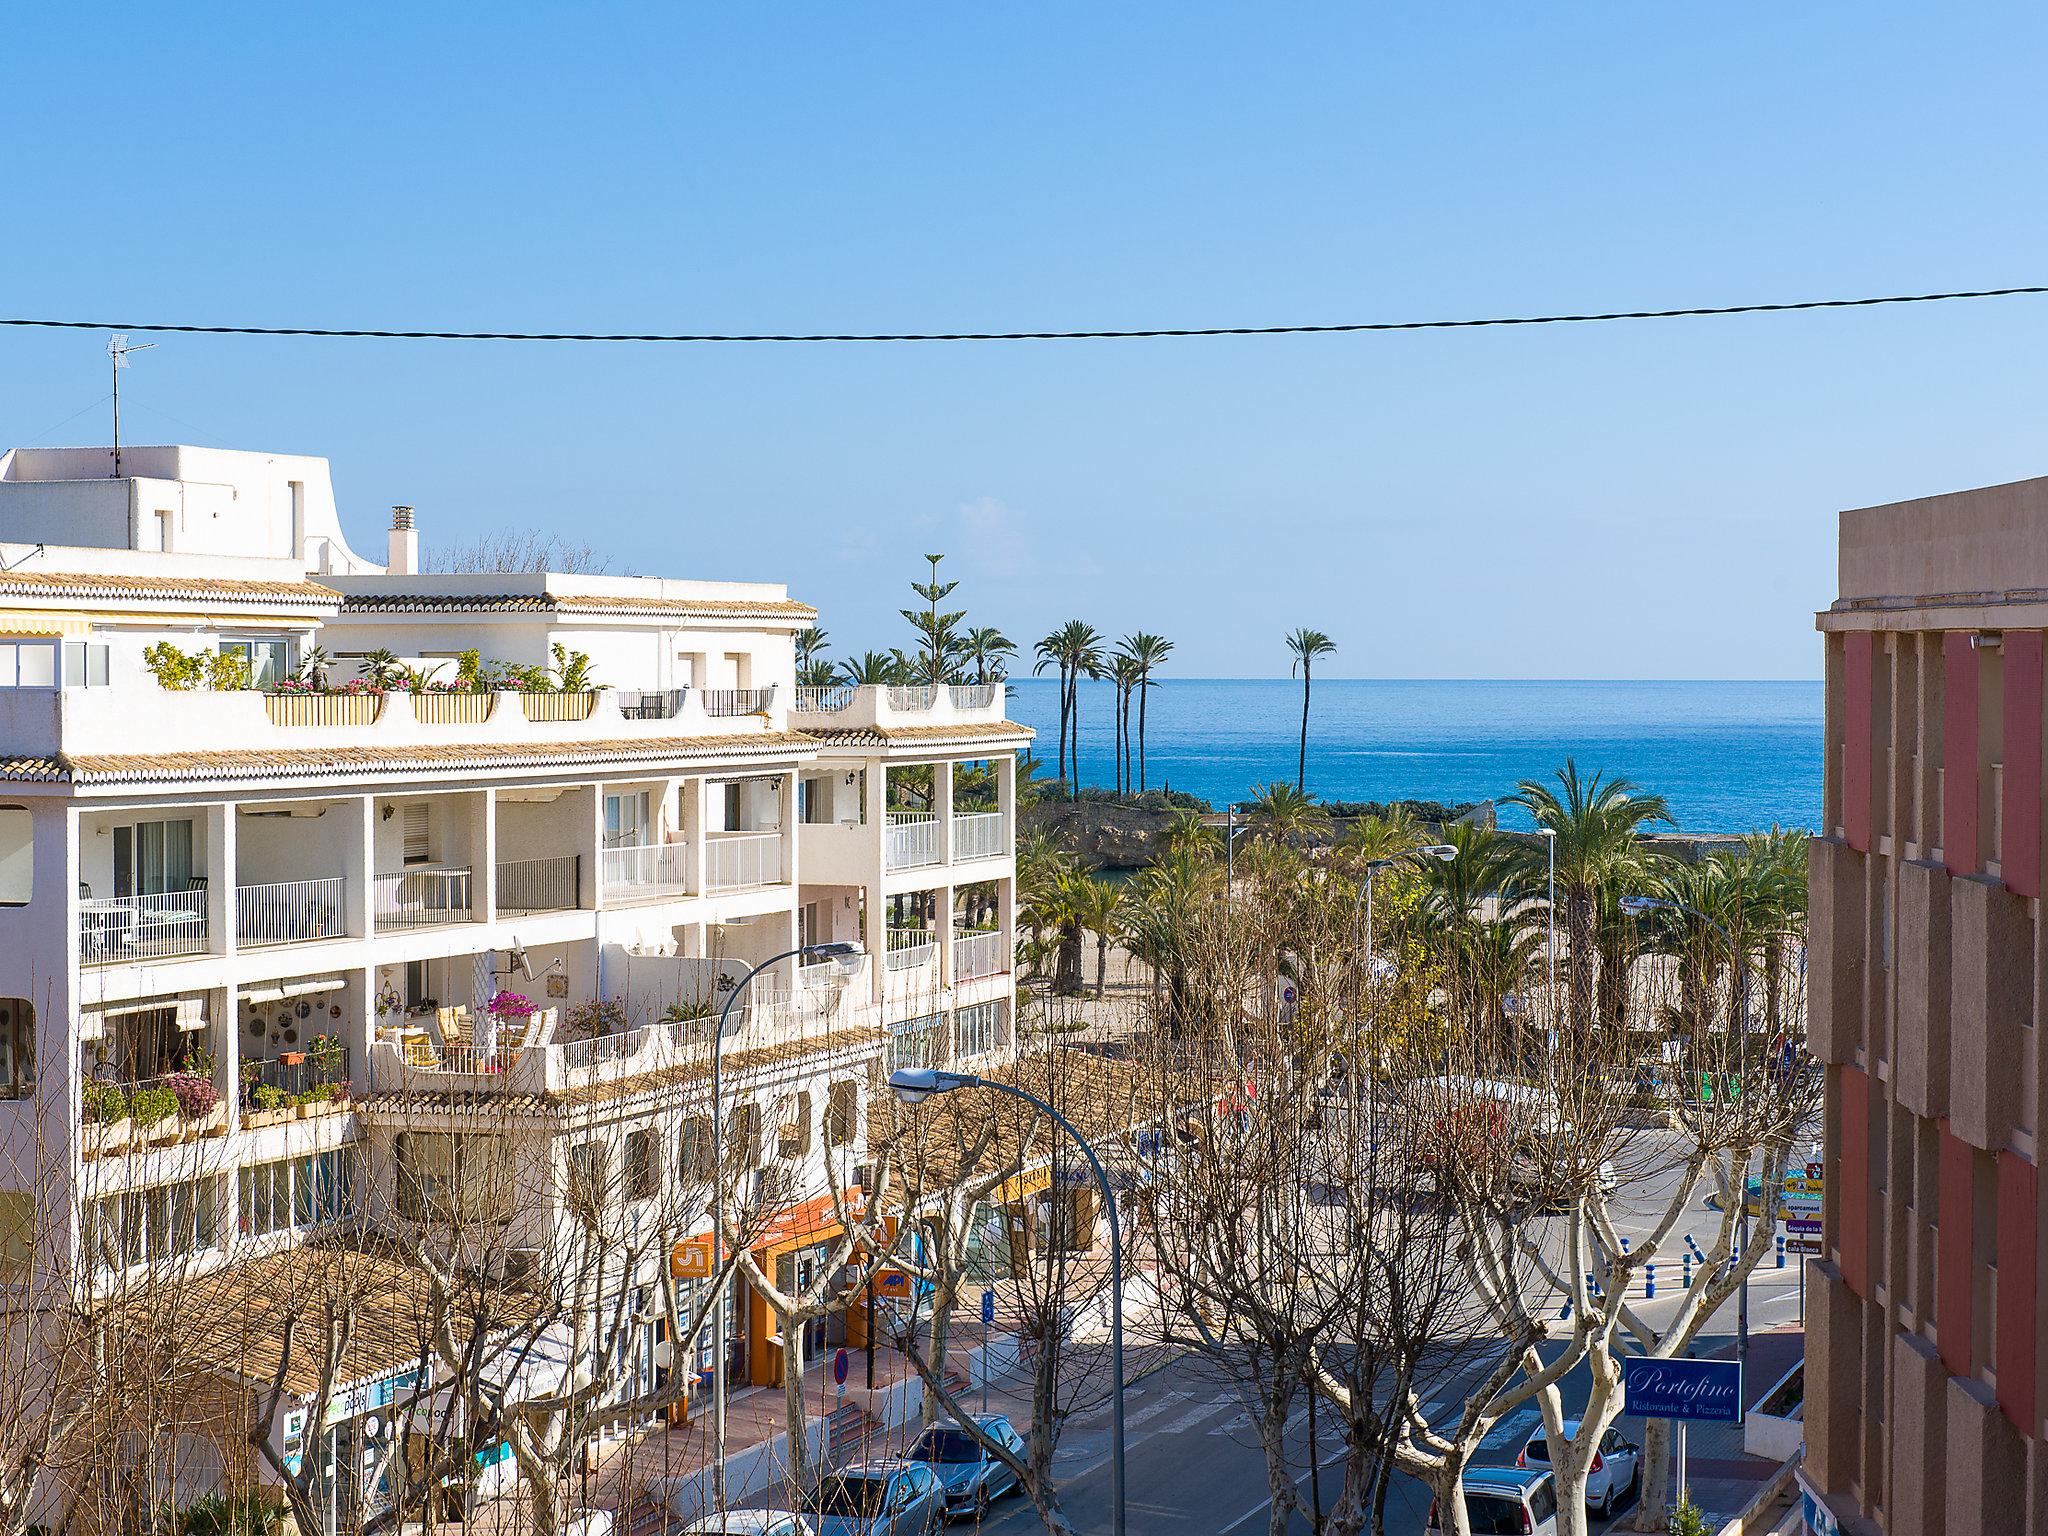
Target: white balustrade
141, 927
909, 948
917, 698
978, 835
978, 954
972, 695
420, 898
736, 861
646, 869
724, 702
913, 839
825, 701
291, 911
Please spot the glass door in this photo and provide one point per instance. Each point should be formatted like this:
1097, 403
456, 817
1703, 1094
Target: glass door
626, 821
152, 857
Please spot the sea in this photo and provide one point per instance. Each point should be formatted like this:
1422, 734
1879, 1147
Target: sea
1726, 756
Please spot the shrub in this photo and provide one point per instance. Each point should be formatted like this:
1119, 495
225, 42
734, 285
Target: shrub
326, 1053
1686, 1520
268, 1096
230, 1514
599, 1016
153, 1105
196, 1095
511, 1005
104, 1102
683, 1013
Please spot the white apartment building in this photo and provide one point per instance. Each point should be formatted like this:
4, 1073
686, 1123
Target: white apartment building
307, 900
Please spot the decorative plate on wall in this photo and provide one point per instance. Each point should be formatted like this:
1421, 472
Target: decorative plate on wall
304, 1010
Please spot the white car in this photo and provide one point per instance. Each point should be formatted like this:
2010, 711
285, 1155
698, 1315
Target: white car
1611, 1478
1505, 1501
751, 1522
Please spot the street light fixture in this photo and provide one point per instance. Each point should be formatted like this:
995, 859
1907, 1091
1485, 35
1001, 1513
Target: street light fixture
842, 952
913, 1085
1443, 852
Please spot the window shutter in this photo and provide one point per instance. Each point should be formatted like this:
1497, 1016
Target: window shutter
417, 850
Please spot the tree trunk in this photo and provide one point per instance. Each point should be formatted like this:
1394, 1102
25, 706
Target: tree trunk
1301, 765
1653, 1502
1101, 964
1144, 687
1066, 973
796, 1462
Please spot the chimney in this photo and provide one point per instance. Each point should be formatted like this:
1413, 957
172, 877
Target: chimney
404, 559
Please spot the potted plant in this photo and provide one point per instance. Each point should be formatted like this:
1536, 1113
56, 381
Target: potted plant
328, 1055
155, 1112
269, 1105
107, 1124
198, 1102
292, 1058
598, 1017
302, 1104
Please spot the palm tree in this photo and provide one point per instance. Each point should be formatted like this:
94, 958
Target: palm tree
1101, 907
1051, 652
1393, 832
1306, 645
1286, 815
1148, 652
1598, 826
988, 651
1123, 672
873, 669
810, 645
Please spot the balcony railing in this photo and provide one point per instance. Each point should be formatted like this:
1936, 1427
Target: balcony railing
141, 927
292, 1077
825, 701
734, 862
978, 954
420, 898
972, 695
914, 698
978, 835
663, 705
540, 885
646, 869
724, 702
909, 948
558, 706
912, 839
453, 708
323, 708
291, 911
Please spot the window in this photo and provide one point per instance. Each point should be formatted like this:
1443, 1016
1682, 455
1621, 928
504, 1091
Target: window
152, 858
696, 1149
842, 1112
731, 822
793, 1131
150, 1226
626, 821
590, 1168
295, 1193
643, 1179
445, 1176
915, 1042
743, 1136
28, 664
17, 855
419, 846
978, 1030
270, 661
86, 665
17, 1048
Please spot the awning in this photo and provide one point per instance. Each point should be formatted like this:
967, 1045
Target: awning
279, 991
190, 1011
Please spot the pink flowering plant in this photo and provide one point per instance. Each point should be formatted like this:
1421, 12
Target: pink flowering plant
511, 1005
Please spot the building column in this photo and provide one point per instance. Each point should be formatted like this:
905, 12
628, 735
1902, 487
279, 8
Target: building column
1006, 798
593, 840
696, 827
359, 871
220, 878
942, 803
943, 922
483, 854
875, 939
785, 810
1006, 920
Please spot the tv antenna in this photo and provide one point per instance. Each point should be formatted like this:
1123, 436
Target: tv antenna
118, 349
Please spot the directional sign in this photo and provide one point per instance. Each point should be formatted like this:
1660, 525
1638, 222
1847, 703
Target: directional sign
1682, 1389
988, 1306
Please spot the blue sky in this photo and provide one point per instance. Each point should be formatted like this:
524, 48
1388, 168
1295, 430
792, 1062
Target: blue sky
1650, 500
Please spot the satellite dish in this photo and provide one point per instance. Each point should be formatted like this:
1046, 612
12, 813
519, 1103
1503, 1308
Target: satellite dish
520, 963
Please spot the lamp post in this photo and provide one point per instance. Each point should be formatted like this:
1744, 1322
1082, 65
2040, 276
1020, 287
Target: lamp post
1444, 852
913, 1085
1230, 831
718, 1276
1637, 906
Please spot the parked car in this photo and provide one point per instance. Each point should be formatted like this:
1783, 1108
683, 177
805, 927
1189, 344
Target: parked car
971, 1477
878, 1498
1612, 1477
1506, 1501
751, 1522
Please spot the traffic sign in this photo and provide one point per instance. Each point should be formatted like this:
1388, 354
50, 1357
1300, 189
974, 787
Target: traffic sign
988, 1306
1682, 1389
840, 1366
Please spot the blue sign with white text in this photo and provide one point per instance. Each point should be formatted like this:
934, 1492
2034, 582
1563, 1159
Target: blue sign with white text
1682, 1389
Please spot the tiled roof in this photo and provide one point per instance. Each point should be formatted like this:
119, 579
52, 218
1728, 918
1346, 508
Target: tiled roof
372, 762
579, 603
913, 735
95, 586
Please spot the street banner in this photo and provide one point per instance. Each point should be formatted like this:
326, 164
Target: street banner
1708, 1390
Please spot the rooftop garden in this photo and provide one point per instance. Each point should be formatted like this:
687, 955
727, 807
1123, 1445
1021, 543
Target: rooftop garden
380, 672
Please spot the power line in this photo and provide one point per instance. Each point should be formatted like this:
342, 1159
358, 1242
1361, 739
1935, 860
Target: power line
1349, 328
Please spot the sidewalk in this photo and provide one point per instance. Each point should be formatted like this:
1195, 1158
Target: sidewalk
1723, 1478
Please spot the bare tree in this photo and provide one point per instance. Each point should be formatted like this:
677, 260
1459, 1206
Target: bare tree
512, 550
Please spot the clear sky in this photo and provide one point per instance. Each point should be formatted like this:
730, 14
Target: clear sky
1645, 500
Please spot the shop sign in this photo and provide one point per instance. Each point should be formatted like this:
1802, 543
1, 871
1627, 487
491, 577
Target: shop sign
1682, 1389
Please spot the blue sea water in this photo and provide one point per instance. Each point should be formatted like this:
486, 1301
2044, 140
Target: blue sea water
1728, 756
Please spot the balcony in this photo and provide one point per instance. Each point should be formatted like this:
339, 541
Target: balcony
665, 705
291, 912
912, 840
724, 703
420, 898
851, 707
977, 954
825, 701
540, 885
978, 835
736, 861
646, 871
124, 928
909, 949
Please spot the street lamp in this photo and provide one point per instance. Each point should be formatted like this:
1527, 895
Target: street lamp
1638, 906
1230, 831
1444, 852
846, 952
913, 1085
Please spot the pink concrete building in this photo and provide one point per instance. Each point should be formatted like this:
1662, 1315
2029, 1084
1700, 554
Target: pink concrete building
1924, 1346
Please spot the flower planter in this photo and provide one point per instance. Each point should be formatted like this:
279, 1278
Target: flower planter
103, 1138
166, 1132
292, 1058
256, 1119
215, 1121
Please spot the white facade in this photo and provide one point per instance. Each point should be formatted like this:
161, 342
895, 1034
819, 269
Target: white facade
279, 889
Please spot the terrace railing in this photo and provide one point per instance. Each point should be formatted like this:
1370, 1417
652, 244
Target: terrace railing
309, 1070
558, 706
978, 835
663, 705
978, 954
911, 839
827, 700
972, 695
726, 702
909, 948
453, 708
734, 862
646, 869
291, 911
919, 697
120, 928
540, 885
323, 708
420, 898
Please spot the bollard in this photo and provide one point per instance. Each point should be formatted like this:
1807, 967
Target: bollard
1686, 1259
1781, 1250
1565, 1311
1650, 1281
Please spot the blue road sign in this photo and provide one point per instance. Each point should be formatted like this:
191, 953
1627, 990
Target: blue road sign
840, 1366
1682, 1389
988, 1306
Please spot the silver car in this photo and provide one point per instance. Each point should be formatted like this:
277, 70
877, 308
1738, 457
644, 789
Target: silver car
878, 1498
971, 1476
751, 1522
